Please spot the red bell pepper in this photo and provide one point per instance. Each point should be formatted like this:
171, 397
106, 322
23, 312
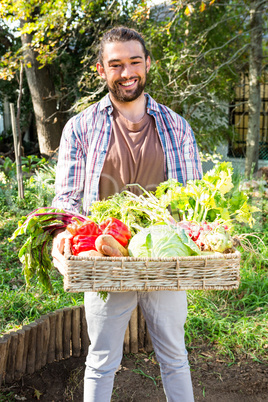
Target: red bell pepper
83, 228
83, 243
117, 229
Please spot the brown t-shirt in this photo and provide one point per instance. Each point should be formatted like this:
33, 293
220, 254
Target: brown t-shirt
134, 155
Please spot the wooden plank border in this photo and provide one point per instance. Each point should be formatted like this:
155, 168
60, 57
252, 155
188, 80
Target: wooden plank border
56, 336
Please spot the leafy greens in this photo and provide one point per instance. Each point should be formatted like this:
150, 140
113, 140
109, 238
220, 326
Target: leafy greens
161, 241
40, 226
212, 198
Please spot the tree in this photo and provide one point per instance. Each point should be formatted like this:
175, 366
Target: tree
48, 119
255, 72
40, 83
199, 49
58, 41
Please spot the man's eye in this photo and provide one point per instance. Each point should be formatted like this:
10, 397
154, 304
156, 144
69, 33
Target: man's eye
115, 65
135, 62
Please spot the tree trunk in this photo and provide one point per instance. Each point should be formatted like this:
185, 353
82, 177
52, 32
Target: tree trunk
48, 122
255, 70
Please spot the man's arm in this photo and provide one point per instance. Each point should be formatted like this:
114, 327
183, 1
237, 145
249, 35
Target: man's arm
183, 160
192, 162
69, 185
70, 172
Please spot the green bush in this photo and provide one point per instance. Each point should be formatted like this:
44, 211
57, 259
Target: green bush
38, 184
18, 305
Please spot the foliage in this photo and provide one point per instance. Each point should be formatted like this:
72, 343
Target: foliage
135, 211
38, 180
64, 35
29, 163
10, 44
214, 197
19, 306
198, 50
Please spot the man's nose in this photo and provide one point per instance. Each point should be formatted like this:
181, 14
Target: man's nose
126, 71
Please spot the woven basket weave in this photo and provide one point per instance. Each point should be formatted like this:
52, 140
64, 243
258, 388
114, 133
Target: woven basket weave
120, 274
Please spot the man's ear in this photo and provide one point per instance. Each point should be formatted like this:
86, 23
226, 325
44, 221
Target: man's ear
100, 70
148, 64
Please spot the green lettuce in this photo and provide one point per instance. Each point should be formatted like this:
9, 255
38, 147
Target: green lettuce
161, 241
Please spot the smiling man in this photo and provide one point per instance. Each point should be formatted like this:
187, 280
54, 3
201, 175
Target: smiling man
124, 69
126, 138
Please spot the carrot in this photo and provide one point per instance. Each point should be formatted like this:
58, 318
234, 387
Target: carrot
108, 245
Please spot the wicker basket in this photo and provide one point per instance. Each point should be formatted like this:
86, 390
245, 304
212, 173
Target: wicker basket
120, 274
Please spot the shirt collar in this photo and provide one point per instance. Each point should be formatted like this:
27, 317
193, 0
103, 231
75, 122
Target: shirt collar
105, 103
152, 105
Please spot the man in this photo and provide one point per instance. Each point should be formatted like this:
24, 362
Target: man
127, 138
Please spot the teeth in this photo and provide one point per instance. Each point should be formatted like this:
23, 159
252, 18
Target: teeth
127, 84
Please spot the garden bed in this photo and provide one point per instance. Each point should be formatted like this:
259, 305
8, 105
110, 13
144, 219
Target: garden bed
138, 379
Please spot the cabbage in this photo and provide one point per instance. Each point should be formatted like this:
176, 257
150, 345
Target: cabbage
219, 240
140, 244
160, 241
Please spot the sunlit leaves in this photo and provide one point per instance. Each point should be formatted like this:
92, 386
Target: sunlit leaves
9, 64
213, 197
189, 9
64, 34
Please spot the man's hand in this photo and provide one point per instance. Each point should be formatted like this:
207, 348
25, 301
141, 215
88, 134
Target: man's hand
58, 248
59, 239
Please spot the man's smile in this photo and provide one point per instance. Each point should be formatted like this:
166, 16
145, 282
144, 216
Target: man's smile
128, 83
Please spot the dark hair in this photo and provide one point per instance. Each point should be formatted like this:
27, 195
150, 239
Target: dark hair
120, 34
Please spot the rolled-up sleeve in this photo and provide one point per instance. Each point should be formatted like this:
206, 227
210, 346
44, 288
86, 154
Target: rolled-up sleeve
178, 141
70, 172
192, 162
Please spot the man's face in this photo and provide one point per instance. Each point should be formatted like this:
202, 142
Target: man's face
124, 69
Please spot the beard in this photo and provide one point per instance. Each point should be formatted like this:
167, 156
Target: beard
122, 94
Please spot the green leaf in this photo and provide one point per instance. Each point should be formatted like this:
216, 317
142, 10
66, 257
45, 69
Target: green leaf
187, 241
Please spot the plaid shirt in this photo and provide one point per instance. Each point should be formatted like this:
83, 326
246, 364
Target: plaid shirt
84, 145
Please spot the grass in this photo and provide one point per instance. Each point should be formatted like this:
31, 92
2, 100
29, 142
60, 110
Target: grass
234, 322
141, 367
74, 381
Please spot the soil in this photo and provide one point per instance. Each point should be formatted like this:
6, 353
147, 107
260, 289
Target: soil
138, 379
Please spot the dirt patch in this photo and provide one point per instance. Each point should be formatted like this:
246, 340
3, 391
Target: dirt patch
138, 379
